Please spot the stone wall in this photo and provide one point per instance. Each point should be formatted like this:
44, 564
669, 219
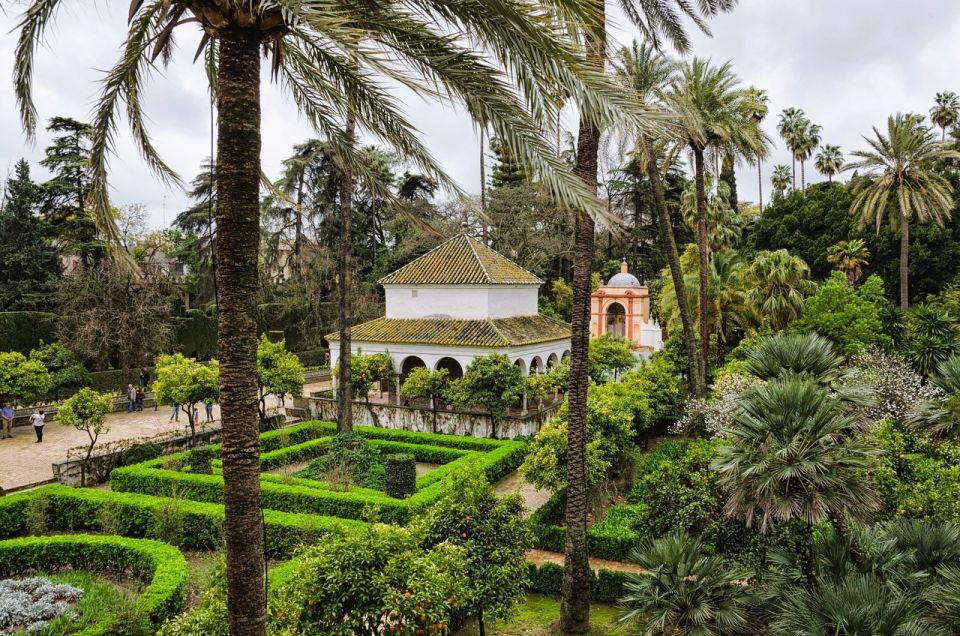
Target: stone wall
453, 422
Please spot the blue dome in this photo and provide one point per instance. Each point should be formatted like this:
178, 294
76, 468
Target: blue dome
623, 279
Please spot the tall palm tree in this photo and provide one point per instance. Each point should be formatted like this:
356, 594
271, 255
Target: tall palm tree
787, 127
645, 72
685, 591
780, 180
901, 165
724, 224
945, 112
714, 112
806, 138
849, 257
760, 99
656, 20
829, 161
779, 284
792, 458
334, 62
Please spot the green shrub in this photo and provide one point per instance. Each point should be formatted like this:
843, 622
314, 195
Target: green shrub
400, 475
352, 454
200, 459
161, 566
606, 586
140, 453
25, 330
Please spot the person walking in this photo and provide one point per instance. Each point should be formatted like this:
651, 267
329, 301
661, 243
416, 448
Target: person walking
139, 399
174, 412
38, 419
131, 398
6, 414
144, 378
208, 405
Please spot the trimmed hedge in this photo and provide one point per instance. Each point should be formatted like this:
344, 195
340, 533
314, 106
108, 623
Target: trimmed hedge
613, 537
135, 515
160, 564
289, 494
606, 586
400, 475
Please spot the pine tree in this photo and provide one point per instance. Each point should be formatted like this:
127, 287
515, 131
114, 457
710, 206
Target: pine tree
29, 267
65, 195
729, 176
508, 170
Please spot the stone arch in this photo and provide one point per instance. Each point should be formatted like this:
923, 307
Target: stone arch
552, 360
522, 365
409, 364
615, 321
453, 367
565, 356
536, 365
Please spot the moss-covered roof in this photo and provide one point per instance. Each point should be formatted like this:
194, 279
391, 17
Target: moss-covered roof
502, 332
462, 260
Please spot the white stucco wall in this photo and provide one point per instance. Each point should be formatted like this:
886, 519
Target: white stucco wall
465, 303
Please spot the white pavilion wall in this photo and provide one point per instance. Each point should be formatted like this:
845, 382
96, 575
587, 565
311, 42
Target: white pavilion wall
465, 303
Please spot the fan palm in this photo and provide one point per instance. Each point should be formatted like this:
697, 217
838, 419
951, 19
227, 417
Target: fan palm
335, 63
806, 138
900, 169
940, 415
780, 180
714, 112
829, 161
808, 355
945, 112
779, 285
685, 591
786, 127
932, 336
645, 72
792, 458
849, 257
724, 225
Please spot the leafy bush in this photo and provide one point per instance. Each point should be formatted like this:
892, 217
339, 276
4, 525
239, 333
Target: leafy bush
200, 459
400, 475
349, 451
609, 357
140, 453
33, 602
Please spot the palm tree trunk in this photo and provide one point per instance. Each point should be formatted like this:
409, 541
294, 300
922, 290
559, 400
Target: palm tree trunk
676, 273
904, 262
803, 175
793, 164
238, 243
344, 387
483, 187
575, 589
760, 182
704, 245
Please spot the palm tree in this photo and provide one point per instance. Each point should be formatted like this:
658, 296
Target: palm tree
334, 63
779, 285
787, 127
849, 257
829, 161
810, 355
945, 112
792, 458
900, 164
656, 19
714, 112
724, 224
939, 416
806, 138
685, 591
760, 99
780, 180
645, 72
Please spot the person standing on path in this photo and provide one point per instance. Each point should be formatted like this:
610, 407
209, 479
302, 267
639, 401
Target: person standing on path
139, 399
144, 378
38, 419
131, 398
174, 412
7, 413
208, 404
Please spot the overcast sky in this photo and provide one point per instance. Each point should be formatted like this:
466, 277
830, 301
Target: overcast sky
847, 63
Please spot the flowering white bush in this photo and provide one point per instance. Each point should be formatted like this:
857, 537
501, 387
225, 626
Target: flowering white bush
897, 388
716, 412
33, 602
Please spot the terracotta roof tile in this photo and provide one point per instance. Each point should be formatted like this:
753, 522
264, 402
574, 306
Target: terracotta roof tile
462, 260
503, 332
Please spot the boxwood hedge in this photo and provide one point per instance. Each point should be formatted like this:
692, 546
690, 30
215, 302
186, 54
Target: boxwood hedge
159, 565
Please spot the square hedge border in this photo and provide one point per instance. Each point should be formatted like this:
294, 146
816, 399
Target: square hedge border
305, 441
610, 538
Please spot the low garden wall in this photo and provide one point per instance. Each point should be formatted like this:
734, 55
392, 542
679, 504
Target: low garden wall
120, 404
451, 422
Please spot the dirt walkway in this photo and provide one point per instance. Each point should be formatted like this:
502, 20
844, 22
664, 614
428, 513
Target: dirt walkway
514, 482
542, 556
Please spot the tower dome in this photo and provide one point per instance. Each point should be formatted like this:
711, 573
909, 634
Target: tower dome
624, 278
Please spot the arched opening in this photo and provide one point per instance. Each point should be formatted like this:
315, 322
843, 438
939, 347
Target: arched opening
616, 321
552, 361
452, 366
565, 357
522, 365
536, 366
409, 364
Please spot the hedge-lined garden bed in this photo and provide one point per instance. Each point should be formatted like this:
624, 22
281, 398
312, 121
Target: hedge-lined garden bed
298, 443
160, 566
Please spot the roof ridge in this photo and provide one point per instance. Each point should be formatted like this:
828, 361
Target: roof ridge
424, 255
493, 325
477, 257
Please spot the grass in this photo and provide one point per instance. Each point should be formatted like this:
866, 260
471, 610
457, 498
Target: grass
538, 613
100, 598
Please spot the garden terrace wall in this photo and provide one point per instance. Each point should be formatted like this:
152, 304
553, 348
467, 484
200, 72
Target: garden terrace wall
498, 458
160, 565
450, 422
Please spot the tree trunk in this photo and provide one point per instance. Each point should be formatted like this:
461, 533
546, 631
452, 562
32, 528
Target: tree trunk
793, 164
480, 625
803, 175
238, 225
760, 183
344, 387
483, 187
904, 262
676, 273
704, 262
